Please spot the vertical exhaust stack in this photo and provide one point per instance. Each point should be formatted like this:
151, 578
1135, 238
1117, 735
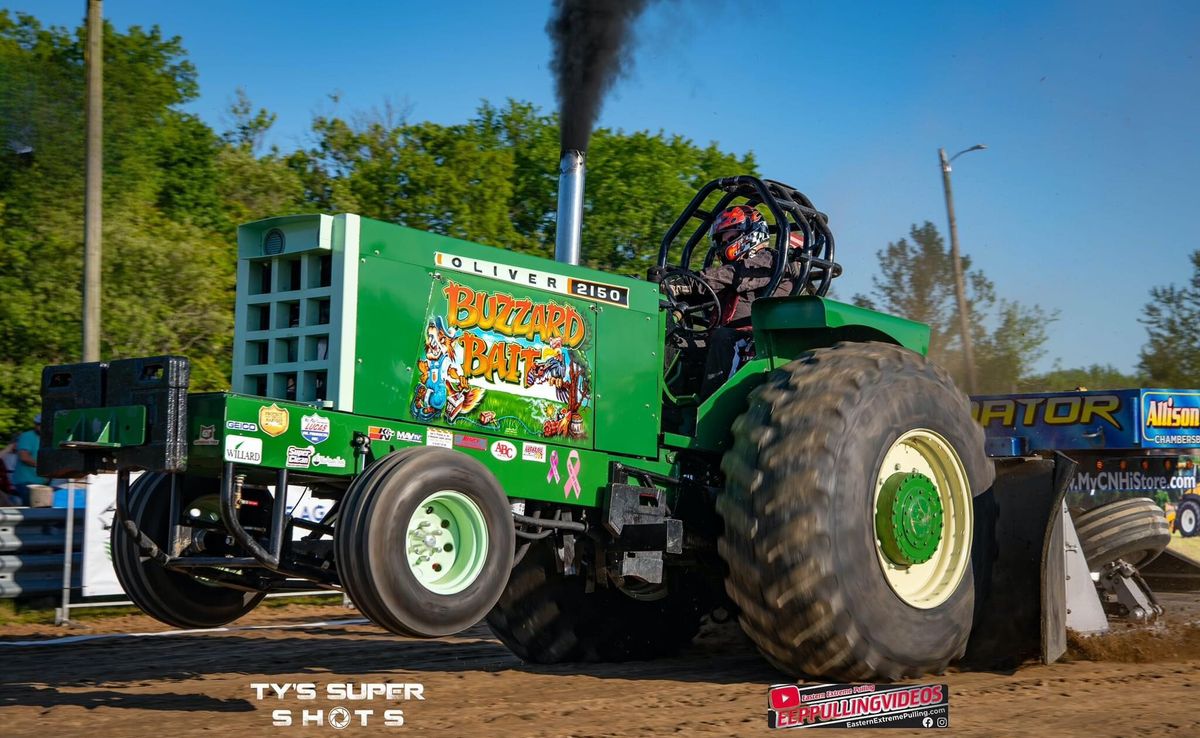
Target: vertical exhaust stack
570, 207
589, 39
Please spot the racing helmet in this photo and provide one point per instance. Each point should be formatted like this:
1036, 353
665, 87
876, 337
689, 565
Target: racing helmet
736, 231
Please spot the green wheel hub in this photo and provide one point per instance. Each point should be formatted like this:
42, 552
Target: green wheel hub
908, 518
446, 542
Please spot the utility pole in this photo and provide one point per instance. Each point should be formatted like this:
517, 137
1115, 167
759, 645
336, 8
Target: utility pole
960, 291
94, 62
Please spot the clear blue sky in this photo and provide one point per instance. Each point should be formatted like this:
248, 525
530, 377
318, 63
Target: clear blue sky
1083, 201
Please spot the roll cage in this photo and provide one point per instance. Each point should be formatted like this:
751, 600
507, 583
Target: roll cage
810, 266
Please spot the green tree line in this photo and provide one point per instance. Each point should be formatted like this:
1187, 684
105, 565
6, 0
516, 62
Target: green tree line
916, 280
175, 189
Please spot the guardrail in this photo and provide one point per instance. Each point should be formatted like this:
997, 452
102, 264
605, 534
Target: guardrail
32, 542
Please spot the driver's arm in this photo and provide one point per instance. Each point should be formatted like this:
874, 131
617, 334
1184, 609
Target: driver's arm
757, 270
720, 277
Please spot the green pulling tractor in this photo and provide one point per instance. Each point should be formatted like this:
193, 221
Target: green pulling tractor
507, 438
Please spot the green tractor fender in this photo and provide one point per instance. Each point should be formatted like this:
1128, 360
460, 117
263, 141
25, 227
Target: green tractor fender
785, 328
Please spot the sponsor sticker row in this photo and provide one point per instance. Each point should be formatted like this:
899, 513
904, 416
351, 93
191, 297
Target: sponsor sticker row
380, 433
316, 428
304, 457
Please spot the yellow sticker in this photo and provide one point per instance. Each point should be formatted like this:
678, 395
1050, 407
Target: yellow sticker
273, 420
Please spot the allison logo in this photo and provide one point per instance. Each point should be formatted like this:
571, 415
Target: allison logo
243, 450
1164, 414
1171, 418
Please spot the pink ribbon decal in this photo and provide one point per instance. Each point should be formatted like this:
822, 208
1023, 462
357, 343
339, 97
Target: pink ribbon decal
573, 466
552, 475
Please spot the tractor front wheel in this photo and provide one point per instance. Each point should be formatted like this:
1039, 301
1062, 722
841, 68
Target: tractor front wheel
425, 542
849, 514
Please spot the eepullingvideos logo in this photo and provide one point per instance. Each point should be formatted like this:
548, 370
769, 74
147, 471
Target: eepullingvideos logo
858, 706
358, 709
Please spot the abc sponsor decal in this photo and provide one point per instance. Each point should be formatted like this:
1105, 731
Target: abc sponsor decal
504, 450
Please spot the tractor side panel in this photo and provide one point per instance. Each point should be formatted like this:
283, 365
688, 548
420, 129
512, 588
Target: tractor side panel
464, 346
629, 363
392, 301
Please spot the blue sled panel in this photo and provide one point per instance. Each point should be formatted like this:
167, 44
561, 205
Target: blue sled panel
1089, 420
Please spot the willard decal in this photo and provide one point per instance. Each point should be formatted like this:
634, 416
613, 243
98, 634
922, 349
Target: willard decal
243, 450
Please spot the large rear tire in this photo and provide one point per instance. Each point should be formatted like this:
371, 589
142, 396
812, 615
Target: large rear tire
169, 596
425, 542
848, 514
545, 617
1133, 530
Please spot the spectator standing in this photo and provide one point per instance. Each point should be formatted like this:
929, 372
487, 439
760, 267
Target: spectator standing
26, 471
9, 456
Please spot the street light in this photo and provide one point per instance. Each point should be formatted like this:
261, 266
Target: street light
960, 293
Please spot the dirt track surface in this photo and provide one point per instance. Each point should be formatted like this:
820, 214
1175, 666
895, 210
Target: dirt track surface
200, 684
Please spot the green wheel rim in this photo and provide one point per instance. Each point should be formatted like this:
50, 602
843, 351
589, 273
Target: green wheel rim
908, 518
924, 518
446, 542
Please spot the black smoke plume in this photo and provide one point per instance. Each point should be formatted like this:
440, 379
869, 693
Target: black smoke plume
590, 39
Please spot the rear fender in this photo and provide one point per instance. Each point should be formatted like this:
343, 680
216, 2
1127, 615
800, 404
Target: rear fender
785, 328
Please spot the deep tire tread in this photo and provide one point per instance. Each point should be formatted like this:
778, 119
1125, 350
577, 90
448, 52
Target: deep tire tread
364, 542
778, 536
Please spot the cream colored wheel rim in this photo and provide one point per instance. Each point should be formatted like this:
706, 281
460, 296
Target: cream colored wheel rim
929, 584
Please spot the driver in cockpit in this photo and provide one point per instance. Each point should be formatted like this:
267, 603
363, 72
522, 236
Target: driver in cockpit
740, 236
